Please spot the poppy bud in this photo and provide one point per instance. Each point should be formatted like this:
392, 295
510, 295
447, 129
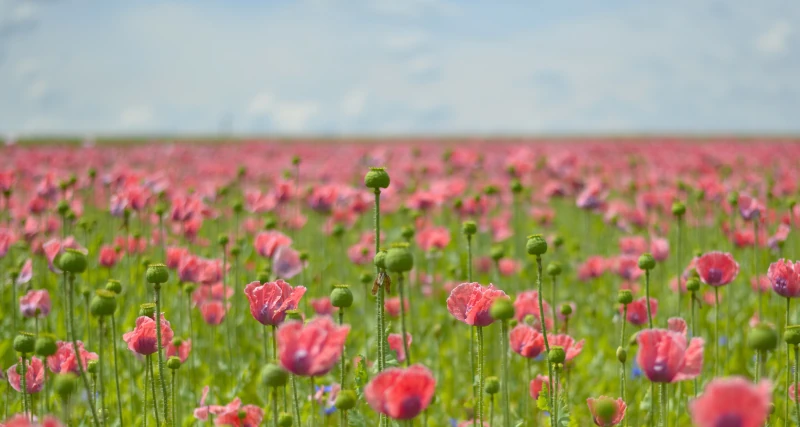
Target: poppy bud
365, 278
492, 385
407, 233
285, 420
177, 342
189, 288
92, 172
497, 252
293, 316
624, 296
91, 366
274, 376
174, 362
235, 251
63, 207
566, 310
678, 209
157, 274
554, 268
263, 277
376, 178
114, 286
73, 261
604, 410
270, 224
64, 385
792, 335
692, 284
469, 228
733, 198
304, 256
399, 259
238, 206
536, 245
647, 262
346, 400
160, 210
380, 259
341, 296
490, 190
762, 338
104, 303
512, 323
24, 342
516, 187
558, 241
45, 345
502, 309
622, 355
791, 203
556, 355
148, 309
337, 231
223, 239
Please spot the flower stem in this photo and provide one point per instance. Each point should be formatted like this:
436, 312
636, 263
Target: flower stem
100, 337
153, 388
647, 296
157, 288
678, 264
78, 356
546, 342
313, 419
692, 298
480, 374
24, 389
174, 404
555, 303
295, 402
716, 331
400, 286
116, 368
506, 398
796, 379
788, 363
265, 340
664, 404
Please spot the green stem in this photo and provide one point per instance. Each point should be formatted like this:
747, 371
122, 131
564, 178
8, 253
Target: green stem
796, 375
716, 331
295, 402
692, 298
506, 397
174, 404
24, 388
153, 388
116, 368
678, 266
554, 386
265, 340
81, 373
400, 286
555, 303
755, 270
480, 374
313, 419
161, 370
788, 363
101, 363
275, 406
546, 342
647, 296
664, 406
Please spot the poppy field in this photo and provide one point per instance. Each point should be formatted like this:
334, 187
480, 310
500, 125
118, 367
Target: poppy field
570, 282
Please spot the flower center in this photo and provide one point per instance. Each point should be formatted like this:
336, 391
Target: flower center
714, 276
729, 420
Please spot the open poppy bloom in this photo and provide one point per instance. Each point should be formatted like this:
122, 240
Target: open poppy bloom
182, 349
717, 268
666, 357
270, 301
35, 304
470, 303
606, 411
34, 376
143, 339
537, 385
401, 394
526, 341
571, 347
312, 349
396, 345
785, 278
637, 311
527, 304
22, 420
233, 414
64, 360
268, 242
732, 401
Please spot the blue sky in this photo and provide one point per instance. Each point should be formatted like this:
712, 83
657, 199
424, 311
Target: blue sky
398, 66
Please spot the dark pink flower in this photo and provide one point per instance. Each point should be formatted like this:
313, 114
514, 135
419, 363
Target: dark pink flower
526, 341
108, 256
401, 394
659, 248
143, 338
717, 268
470, 303
35, 304
34, 375
270, 301
785, 278
213, 311
312, 349
637, 311
749, 207
732, 401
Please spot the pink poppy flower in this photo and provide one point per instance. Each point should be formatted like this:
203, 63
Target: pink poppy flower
665, 356
732, 401
527, 304
749, 207
312, 349
35, 304
267, 242
571, 347
232, 414
396, 345
592, 196
54, 247
143, 338
592, 268
25, 273
182, 350
64, 360
361, 253
508, 267
659, 248
213, 312
627, 267
785, 278
286, 263
108, 256
717, 268
537, 385
781, 234
470, 303
7, 238
392, 306
270, 301
433, 238
322, 306
607, 420
34, 376
526, 341
401, 394
637, 311
632, 245
22, 420
760, 284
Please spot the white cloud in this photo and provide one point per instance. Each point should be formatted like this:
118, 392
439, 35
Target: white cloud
408, 41
38, 90
26, 68
775, 39
24, 12
136, 116
353, 103
260, 104
421, 65
413, 8
294, 116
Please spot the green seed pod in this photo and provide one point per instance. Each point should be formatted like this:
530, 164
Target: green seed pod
536, 245
104, 303
73, 261
274, 376
516, 187
622, 355
114, 286
556, 355
263, 277
407, 232
24, 343
497, 252
285, 420
469, 228
157, 274
346, 400
238, 207
399, 259
566, 310
624, 296
365, 278
338, 231
174, 362
63, 207
380, 259
235, 251
341, 296
377, 178
762, 337
270, 224
692, 284
733, 198
553, 268
293, 316
223, 239
646, 261
558, 241
678, 209
792, 335
492, 385
45, 345
604, 410
92, 366
64, 385
148, 309
502, 309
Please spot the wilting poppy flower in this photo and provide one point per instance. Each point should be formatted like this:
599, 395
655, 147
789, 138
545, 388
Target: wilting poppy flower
34, 376
732, 401
232, 414
637, 311
182, 350
717, 268
537, 384
270, 301
785, 278
392, 306
526, 341
267, 242
665, 356
64, 360
35, 304
571, 347
401, 394
143, 338
610, 418
396, 345
470, 303
311, 349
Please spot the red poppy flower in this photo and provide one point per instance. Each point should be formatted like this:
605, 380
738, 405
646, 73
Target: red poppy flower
270, 301
732, 401
401, 394
785, 278
717, 268
143, 339
665, 356
470, 303
526, 341
311, 349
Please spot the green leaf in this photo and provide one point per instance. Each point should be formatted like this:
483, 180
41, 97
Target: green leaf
355, 419
361, 376
543, 402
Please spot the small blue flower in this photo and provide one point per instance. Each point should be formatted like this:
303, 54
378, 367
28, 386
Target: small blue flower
636, 372
723, 340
